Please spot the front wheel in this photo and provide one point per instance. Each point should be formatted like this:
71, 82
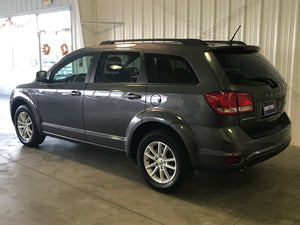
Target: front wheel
26, 128
163, 161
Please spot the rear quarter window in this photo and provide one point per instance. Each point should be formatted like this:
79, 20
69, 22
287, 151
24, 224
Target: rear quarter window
163, 68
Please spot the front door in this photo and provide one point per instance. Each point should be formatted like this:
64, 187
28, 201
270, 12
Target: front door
61, 100
115, 96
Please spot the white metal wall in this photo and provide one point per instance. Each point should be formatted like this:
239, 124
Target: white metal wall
271, 24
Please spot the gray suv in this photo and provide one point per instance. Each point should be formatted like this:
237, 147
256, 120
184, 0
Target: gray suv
172, 105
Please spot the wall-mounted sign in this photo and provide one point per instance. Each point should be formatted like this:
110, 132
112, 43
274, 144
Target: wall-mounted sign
47, 2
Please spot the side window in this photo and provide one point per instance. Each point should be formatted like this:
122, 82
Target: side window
169, 69
74, 71
118, 67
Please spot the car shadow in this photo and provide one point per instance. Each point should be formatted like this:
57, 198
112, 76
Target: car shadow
103, 159
205, 186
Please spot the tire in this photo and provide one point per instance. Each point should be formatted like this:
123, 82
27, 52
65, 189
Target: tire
26, 128
165, 170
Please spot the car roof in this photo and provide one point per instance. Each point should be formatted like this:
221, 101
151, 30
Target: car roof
168, 45
168, 41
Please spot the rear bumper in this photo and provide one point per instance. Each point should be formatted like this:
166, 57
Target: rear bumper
260, 156
220, 144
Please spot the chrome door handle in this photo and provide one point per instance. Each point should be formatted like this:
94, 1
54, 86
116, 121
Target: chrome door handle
132, 96
75, 93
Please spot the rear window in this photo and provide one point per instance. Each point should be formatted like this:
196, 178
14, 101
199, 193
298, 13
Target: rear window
248, 68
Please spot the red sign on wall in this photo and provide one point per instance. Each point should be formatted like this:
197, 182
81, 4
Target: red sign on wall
47, 2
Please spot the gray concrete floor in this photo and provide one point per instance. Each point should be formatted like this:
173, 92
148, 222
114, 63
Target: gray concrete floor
66, 183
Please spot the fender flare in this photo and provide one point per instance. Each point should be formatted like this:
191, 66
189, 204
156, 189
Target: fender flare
24, 97
166, 118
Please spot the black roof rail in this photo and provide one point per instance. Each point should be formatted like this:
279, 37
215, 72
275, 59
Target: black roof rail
182, 41
225, 42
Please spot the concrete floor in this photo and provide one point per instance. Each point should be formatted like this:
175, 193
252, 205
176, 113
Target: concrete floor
66, 183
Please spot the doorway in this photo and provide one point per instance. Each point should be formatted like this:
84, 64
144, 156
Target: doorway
54, 34
30, 43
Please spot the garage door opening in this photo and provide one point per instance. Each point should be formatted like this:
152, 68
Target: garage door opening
31, 43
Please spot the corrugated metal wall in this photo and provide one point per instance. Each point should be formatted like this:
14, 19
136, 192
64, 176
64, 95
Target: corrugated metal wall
271, 24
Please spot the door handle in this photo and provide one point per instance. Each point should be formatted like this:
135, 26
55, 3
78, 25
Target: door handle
75, 93
132, 96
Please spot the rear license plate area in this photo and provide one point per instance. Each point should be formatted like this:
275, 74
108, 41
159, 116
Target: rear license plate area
269, 108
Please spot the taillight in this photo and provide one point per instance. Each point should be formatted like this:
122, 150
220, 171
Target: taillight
228, 103
232, 159
245, 103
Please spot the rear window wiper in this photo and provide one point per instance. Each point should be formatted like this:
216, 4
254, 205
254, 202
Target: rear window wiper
266, 81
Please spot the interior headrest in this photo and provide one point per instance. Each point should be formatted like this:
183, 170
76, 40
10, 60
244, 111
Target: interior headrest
114, 63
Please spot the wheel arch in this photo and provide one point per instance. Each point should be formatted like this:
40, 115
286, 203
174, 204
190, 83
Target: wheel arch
23, 99
160, 119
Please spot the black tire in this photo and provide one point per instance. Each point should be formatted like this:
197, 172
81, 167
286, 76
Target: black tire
160, 174
26, 128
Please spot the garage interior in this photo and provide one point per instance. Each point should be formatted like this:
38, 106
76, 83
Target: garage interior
68, 183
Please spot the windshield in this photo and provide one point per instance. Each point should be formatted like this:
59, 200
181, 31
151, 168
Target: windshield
248, 68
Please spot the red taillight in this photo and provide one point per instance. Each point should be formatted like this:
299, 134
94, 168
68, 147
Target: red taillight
232, 159
228, 103
244, 102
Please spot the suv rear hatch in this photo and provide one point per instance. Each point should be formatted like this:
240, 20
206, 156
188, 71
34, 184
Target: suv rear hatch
246, 71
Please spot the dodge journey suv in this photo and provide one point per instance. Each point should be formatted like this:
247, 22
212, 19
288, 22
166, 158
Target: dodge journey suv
172, 105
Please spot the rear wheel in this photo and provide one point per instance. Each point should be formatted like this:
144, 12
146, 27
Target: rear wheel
26, 128
162, 161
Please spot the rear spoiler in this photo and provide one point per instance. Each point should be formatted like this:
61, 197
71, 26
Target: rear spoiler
234, 49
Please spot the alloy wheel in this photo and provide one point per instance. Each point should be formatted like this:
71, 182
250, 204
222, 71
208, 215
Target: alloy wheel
25, 127
160, 162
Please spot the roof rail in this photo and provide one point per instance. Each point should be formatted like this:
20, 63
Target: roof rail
225, 43
180, 41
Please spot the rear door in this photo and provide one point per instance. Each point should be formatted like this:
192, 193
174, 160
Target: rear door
114, 96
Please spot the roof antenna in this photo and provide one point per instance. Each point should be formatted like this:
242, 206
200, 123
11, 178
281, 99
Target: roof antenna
235, 34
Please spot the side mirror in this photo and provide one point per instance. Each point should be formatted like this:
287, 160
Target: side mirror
41, 76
